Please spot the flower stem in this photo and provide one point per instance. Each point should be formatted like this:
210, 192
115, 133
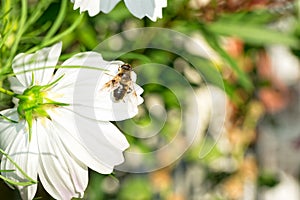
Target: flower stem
60, 18
6, 8
10, 93
38, 12
59, 36
19, 33
30, 180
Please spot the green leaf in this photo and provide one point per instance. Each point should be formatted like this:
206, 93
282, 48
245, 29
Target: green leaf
262, 17
243, 79
254, 34
16, 183
136, 189
7, 119
29, 118
30, 180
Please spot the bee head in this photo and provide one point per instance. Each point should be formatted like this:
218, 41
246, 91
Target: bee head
126, 67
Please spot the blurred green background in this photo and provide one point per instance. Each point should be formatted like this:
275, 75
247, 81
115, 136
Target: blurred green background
250, 153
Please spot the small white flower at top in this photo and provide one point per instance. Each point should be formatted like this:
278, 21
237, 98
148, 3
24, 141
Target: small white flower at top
60, 126
139, 8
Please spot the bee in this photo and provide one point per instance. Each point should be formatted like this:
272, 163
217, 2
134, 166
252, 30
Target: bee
121, 84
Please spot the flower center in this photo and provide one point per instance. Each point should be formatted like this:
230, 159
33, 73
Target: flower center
34, 101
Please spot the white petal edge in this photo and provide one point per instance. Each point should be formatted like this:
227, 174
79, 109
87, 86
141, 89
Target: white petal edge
150, 8
88, 99
94, 7
40, 64
78, 78
71, 125
8, 130
82, 87
106, 109
26, 156
62, 175
16, 85
108, 5
47, 57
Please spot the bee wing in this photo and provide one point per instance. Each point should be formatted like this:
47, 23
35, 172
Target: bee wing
110, 85
107, 85
133, 76
133, 96
137, 93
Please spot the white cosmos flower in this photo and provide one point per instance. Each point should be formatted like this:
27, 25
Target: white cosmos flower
60, 142
139, 8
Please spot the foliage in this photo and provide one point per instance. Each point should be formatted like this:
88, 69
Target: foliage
26, 26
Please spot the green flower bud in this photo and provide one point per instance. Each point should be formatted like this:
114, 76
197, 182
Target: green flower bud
33, 100
34, 103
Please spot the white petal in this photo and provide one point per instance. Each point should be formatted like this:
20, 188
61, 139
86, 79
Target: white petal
113, 135
40, 64
16, 85
159, 4
89, 98
62, 175
77, 3
63, 123
18, 65
76, 77
107, 109
83, 88
94, 7
25, 154
101, 140
139, 7
80, 4
149, 8
108, 5
86, 59
9, 130
75, 147
47, 57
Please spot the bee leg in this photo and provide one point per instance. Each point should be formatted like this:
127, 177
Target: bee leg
109, 74
129, 90
134, 94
